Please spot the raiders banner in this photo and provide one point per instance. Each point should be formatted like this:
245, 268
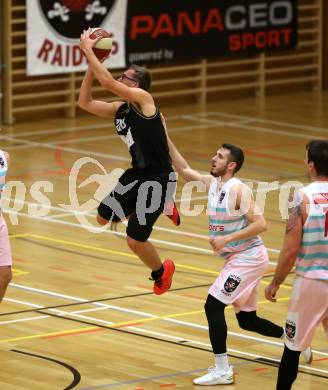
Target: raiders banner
155, 30
170, 30
54, 29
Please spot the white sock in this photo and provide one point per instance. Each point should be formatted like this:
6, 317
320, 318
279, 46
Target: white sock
221, 362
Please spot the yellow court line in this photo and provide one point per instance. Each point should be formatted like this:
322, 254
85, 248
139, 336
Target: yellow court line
104, 250
18, 272
36, 336
19, 235
125, 254
84, 246
116, 325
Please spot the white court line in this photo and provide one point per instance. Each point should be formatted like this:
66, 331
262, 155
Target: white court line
261, 129
63, 130
76, 128
138, 313
148, 315
167, 243
115, 136
269, 121
84, 139
20, 147
27, 319
276, 132
100, 230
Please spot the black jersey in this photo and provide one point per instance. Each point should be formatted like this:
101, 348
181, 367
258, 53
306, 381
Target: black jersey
145, 138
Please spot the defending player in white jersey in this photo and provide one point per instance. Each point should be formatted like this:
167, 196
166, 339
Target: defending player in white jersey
234, 225
306, 244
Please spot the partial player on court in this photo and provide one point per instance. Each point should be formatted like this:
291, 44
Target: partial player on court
5, 249
306, 245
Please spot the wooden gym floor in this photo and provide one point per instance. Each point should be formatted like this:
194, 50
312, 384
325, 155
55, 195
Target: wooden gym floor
80, 312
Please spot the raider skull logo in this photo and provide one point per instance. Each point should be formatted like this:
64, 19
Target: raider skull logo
290, 329
70, 17
231, 283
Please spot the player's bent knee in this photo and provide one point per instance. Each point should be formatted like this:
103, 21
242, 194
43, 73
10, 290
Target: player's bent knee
133, 244
246, 320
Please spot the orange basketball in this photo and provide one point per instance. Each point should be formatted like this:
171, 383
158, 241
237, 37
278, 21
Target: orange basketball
103, 47
75, 5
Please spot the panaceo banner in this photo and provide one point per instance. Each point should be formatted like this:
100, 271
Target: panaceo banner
187, 29
156, 30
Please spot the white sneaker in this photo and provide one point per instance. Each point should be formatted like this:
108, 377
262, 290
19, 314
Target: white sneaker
215, 377
307, 355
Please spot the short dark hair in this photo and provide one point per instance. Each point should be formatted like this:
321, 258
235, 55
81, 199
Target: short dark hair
142, 75
236, 155
317, 152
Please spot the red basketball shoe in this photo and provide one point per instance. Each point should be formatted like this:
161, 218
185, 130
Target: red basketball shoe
172, 212
162, 284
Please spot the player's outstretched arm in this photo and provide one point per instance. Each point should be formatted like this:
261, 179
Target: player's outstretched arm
183, 168
106, 79
96, 107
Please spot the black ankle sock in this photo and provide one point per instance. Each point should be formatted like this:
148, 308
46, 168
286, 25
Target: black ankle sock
157, 274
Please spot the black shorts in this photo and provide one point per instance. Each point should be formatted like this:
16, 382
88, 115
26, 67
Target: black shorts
139, 198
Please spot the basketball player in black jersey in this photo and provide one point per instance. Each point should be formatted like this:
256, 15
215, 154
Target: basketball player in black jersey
148, 187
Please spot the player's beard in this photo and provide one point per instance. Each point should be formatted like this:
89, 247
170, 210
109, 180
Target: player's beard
219, 172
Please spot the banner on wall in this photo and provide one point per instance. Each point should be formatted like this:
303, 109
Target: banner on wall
54, 29
171, 30
156, 30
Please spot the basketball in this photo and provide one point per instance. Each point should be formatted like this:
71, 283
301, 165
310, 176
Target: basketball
103, 47
75, 5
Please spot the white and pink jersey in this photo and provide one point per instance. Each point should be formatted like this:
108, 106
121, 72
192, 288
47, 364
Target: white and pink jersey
312, 259
223, 221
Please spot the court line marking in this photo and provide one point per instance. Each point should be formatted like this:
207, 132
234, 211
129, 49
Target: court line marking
168, 317
72, 213
124, 254
19, 272
149, 317
195, 118
254, 128
77, 128
115, 136
279, 123
55, 146
100, 230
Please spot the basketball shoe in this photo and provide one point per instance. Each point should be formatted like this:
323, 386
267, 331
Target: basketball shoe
215, 377
172, 212
162, 284
307, 355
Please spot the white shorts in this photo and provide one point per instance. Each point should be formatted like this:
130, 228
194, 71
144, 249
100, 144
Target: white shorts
308, 307
237, 284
